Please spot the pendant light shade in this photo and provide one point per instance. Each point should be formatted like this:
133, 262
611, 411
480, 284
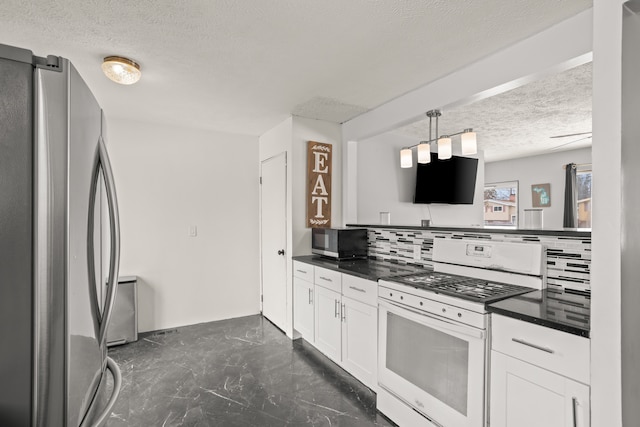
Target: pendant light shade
406, 158
424, 153
468, 142
444, 148
121, 70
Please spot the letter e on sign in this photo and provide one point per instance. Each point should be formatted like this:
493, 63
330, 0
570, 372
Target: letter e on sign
319, 157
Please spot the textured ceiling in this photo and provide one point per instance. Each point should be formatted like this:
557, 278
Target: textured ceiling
244, 66
520, 122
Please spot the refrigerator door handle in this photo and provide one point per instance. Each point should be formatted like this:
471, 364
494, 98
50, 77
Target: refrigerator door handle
114, 258
91, 262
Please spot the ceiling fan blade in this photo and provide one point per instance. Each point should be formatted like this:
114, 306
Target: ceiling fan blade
571, 134
571, 142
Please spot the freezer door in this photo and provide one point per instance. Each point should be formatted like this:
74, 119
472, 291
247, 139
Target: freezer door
16, 235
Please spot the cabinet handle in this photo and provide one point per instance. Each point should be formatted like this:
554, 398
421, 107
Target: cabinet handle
324, 278
357, 289
344, 314
301, 271
523, 342
335, 308
310, 296
575, 411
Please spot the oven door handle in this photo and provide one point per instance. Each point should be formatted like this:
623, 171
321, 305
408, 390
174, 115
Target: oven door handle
428, 319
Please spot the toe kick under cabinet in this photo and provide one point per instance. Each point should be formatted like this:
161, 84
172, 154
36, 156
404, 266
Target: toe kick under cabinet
338, 314
539, 376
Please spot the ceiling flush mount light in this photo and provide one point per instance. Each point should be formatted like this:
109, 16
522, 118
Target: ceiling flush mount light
121, 70
467, 142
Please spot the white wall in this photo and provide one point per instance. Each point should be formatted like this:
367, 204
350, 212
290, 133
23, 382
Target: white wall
383, 186
169, 178
305, 130
538, 170
606, 350
291, 136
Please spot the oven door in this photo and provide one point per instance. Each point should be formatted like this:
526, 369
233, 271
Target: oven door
434, 365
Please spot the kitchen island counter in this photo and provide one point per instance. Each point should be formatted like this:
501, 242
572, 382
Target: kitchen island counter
564, 310
369, 269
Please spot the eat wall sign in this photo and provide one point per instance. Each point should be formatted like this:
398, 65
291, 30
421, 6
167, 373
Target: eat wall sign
319, 184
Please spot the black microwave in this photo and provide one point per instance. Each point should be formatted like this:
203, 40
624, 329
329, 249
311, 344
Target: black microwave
339, 243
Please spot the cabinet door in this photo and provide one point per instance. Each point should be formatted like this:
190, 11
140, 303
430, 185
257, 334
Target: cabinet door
303, 308
327, 322
360, 340
524, 395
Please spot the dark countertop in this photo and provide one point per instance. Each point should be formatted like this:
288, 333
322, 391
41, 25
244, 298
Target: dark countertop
365, 268
565, 232
557, 309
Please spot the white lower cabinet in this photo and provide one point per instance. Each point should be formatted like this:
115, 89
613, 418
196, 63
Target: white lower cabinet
303, 314
328, 325
338, 314
537, 376
359, 340
524, 395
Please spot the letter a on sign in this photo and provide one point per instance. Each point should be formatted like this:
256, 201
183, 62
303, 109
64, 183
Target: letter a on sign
319, 184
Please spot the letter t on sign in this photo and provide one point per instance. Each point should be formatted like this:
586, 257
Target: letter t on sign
319, 157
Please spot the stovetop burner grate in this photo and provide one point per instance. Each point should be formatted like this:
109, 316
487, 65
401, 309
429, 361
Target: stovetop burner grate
469, 288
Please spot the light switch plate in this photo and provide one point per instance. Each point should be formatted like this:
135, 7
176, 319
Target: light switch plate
193, 231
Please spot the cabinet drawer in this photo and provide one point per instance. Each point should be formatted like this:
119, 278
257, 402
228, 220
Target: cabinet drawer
303, 271
328, 279
556, 351
359, 289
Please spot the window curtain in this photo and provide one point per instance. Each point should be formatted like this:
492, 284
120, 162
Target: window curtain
570, 197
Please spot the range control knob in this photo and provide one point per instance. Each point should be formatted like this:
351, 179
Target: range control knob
444, 310
459, 314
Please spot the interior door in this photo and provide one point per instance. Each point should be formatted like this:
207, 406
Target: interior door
273, 196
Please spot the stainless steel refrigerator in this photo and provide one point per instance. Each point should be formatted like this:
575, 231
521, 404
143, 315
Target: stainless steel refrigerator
59, 246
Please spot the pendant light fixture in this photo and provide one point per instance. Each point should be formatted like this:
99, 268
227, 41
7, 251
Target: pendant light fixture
406, 159
468, 144
121, 70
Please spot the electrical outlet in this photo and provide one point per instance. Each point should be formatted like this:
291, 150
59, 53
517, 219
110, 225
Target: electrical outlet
193, 230
417, 252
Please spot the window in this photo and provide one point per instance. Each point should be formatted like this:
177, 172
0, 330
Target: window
501, 204
583, 182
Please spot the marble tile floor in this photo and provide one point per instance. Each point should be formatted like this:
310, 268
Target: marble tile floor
237, 372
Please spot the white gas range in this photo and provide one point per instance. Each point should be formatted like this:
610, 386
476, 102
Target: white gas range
433, 327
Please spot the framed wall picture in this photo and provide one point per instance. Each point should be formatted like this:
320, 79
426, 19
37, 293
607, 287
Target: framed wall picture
319, 170
541, 195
